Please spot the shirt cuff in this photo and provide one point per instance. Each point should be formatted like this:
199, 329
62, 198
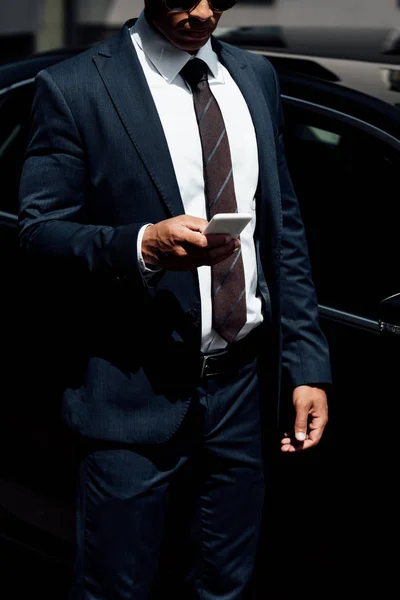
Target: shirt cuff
145, 271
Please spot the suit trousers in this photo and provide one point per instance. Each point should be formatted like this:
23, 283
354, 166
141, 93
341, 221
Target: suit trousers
191, 505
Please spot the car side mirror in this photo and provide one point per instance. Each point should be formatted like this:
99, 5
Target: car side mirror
389, 317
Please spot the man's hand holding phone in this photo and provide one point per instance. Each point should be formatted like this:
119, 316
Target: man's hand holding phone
181, 244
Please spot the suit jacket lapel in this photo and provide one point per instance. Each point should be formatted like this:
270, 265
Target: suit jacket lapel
269, 188
124, 79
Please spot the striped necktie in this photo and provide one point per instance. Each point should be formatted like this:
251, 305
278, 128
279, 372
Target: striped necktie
228, 282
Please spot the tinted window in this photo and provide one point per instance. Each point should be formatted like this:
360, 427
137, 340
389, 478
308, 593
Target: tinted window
347, 184
14, 114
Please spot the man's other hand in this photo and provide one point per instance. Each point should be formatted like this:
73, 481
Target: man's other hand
311, 408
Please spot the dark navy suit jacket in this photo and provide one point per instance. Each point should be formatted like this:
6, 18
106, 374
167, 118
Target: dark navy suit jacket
97, 168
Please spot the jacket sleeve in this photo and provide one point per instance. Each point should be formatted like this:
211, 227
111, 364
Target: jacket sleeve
305, 352
52, 196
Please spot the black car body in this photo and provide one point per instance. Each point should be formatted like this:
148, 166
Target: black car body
343, 152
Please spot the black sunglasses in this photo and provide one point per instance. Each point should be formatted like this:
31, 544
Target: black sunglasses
189, 5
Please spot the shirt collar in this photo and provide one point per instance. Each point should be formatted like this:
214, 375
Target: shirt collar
167, 58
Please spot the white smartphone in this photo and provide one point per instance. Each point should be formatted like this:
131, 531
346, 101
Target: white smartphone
229, 223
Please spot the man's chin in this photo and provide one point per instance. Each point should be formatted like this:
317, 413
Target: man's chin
190, 40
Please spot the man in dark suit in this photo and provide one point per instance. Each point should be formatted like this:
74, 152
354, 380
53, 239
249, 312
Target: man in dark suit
121, 176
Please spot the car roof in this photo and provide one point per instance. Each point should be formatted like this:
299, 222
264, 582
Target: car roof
22, 69
363, 59
359, 44
298, 74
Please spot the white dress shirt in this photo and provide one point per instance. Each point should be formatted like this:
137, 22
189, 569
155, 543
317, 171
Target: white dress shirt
161, 63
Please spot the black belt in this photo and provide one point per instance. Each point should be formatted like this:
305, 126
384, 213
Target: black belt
234, 356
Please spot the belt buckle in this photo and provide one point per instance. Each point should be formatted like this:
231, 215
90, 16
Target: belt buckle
205, 364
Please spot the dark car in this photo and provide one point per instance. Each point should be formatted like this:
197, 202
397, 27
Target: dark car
343, 152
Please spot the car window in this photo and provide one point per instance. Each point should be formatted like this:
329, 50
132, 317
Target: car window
15, 108
346, 179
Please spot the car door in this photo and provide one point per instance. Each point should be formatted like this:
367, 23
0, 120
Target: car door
343, 153
15, 104
37, 450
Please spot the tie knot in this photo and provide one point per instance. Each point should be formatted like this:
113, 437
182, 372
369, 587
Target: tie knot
195, 71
